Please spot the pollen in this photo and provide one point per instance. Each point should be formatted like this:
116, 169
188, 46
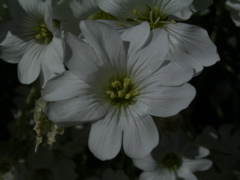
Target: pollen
122, 91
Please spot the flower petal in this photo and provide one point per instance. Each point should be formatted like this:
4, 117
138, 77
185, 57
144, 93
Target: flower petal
75, 111
194, 41
81, 9
106, 42
161, 173
186, 174
140, 135
45, 74
146, 164
175, 53
148, 60
54, 56
122, 9
62, 87
196, 164
11, 47
170, 7
167, 101
105, 138
136, 37
172, 74
80, 58
23, 9
184, 14
29, 65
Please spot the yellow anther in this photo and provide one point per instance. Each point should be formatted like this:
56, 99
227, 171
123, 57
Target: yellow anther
44, 30
43, 25
44, 34
173, 21
128, 96
134, 92
47, 40
126, 82
116, 84
109, 92
113, 95
38, 36
121, 93
135, 12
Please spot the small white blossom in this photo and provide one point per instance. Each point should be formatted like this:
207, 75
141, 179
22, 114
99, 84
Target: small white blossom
119, 82
32, 40
174, 158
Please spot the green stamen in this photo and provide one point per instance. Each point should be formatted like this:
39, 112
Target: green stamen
121, 91
43, 35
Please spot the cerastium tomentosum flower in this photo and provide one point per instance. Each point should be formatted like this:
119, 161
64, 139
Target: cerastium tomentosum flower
188, 43
174, 158
32, 40
118, 82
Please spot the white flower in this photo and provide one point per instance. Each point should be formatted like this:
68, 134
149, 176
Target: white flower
234, 8
174, 158
119, 82
188, 43
32, 40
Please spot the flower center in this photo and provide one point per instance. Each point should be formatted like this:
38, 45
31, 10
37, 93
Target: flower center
171, 161
153, 16
102, 15
44, 36
121, 91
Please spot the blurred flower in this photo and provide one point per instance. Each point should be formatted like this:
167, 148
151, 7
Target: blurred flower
120, 82
234, 7
174, 158
224, 145
109, 174
188, 43
32, 39
4, 14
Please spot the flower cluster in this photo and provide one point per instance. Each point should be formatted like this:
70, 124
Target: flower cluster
118, 65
